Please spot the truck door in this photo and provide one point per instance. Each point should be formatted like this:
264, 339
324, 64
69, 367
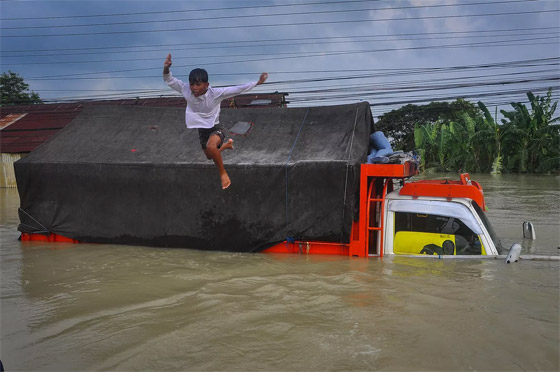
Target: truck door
435, 230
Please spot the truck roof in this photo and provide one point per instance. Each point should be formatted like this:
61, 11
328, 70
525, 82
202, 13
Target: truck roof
464, 188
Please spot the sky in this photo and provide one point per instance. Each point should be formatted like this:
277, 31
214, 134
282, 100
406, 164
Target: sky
386, 52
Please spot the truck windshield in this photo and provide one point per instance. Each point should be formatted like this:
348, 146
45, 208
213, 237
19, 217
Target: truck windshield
489, 227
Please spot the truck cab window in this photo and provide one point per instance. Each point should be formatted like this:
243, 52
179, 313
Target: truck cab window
417, 233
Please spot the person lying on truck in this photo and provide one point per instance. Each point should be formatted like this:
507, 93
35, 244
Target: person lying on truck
203, 111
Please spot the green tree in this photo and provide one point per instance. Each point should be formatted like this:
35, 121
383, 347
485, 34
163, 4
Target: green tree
425, 138
461, 152
449, 146
399, 124
489, 137
15, 91
528, 140
532, 137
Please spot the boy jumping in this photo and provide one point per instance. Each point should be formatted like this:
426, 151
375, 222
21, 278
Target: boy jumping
203, 111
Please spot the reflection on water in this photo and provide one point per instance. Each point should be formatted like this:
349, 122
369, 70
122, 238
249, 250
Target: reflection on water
105, 307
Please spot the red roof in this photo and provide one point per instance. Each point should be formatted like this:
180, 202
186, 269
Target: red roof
43, 121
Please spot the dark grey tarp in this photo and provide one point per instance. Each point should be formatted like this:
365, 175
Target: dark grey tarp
137, 175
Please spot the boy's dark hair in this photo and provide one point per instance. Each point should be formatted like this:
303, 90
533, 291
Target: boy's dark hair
198, 75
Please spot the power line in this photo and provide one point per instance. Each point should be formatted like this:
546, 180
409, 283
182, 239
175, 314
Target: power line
276, 58
298, 42
432, 98
283, 24
341, 75
400, 88
339, 98
188, 10
352, 96
213, 18
519, 63
233, 44
294, 54
346, 2
400, 85
423, 92
380, 88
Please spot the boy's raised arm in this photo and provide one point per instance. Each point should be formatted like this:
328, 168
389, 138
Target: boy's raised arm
166, 64
173, 83
263, 78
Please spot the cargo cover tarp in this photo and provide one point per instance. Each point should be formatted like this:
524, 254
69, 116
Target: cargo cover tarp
137, 175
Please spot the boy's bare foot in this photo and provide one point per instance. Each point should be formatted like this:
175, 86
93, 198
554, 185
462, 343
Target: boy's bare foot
226, 182
227, 146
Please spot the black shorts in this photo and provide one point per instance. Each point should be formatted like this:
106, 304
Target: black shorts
205, 133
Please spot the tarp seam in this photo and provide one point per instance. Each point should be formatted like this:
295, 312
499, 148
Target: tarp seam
346, 178
286, 169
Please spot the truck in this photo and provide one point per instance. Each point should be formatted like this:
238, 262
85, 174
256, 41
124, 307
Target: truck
400, 217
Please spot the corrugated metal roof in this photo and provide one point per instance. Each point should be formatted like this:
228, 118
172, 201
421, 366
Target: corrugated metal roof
10, 119
35, 124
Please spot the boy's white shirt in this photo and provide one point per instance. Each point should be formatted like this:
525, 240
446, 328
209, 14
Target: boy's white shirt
204, 111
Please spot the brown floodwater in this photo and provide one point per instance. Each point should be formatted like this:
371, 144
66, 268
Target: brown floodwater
78, 307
